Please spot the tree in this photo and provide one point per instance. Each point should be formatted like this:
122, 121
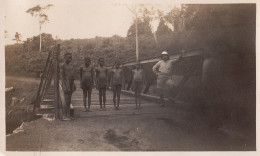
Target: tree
39, 12
174, 18
17, 37
32, 44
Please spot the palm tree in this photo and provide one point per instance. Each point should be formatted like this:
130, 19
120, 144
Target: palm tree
17, 37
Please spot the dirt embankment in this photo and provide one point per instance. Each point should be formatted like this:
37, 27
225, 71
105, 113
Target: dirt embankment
19, 101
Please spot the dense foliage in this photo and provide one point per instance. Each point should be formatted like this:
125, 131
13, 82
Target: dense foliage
217, 28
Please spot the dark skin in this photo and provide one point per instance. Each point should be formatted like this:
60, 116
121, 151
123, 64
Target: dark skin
117, 75
68, 59
87, 91
137, 91
66, 73
101, 75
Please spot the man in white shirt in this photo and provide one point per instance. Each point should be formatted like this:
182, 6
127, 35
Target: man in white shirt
163, 69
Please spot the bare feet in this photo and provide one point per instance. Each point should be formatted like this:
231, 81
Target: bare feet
66, 119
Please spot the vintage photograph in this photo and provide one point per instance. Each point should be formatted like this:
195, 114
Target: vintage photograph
126, 75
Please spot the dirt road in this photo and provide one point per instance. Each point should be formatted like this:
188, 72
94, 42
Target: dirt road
152, 128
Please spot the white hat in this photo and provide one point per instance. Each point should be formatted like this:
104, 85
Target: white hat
164, 53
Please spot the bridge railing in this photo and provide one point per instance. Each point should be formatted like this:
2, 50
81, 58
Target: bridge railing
189, 66
185, 70
50, 75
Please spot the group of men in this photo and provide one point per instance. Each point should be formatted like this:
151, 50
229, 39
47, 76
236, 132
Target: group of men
101, 79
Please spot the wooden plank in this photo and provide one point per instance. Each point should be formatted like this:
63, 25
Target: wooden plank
41, 83
56, 81
188, 53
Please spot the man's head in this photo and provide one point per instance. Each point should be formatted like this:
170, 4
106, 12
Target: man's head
101, 61
165, 56
87, 61
68, 57
138, 65
117, 64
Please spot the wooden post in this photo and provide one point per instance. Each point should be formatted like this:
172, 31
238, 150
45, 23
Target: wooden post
136, 38
56, 81
38, 97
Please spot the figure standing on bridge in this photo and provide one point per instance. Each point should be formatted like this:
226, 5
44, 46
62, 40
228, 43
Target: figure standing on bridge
163, 69
68, 85
102, 82
86, 82
138, 83
116, 83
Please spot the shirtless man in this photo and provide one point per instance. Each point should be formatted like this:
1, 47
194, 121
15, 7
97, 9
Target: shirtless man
163, 69
101, 82
138, 82
86, 82
68, 85
116, 83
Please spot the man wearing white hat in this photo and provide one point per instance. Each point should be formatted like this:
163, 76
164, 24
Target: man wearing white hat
163, 69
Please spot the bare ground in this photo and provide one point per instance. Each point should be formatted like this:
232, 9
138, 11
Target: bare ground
152, 128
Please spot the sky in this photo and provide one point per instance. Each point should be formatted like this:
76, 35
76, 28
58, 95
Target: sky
73, 18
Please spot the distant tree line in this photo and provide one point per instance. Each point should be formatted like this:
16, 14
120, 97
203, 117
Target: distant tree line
220, 28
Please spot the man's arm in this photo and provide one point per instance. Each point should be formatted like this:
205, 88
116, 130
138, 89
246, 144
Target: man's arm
63, 78
107, 74
92, 74
156, 68
96, 76
111, 78
144, 78
80, 72
178, 59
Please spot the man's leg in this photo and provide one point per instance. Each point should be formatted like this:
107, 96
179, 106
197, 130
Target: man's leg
118, 91
68, 100
114, 96
65, 106
160, 84
100, 97
161, 94
136, 97
89, 97
70, 103
104, 98
84, 99
139, 95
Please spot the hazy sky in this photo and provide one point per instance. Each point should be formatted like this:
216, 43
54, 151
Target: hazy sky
71, 18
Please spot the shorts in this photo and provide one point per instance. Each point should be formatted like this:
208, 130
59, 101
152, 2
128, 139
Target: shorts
68, 86
137, 86
117, 87
161, 81
87, 88
86, 84
101, 84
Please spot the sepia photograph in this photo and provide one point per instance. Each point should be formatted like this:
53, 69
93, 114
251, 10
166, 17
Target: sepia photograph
129, 76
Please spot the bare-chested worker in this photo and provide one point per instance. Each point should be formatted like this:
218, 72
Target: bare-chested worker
116, 83
68, 85
102, 82
163, 69
86, 82
138, 83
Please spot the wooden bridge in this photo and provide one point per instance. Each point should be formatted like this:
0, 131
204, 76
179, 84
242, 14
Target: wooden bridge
186, 123
49, 101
